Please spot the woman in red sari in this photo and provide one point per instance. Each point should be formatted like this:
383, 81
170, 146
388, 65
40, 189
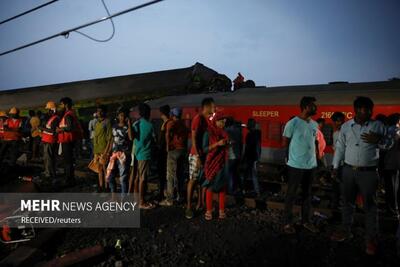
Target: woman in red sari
216, 159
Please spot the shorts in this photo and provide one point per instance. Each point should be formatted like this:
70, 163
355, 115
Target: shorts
143, 169
194, 169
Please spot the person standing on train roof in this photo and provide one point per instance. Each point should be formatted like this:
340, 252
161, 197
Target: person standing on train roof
299, 136
49, 140
357, 146
12, 137
69, 132
252, 154
144, 141
101, 135
196, 156
176, 137
162, 150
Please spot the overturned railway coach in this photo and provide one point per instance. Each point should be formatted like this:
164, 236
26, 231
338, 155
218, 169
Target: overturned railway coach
272, 107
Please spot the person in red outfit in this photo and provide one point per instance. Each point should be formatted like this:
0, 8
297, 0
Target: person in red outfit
217, 156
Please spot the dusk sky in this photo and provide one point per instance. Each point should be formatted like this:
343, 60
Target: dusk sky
273, 42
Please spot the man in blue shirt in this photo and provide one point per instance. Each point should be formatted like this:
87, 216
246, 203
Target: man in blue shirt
300, 138
144, 140
357, 146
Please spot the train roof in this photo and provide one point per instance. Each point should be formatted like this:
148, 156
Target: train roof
382, 93
172, 81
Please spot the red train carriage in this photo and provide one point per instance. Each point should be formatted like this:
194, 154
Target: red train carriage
272, 107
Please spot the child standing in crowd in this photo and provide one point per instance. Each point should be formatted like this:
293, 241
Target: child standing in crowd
120, 157
102, 133
176, 136
252, 153
196, 156
300, 138
217, 156
144, 140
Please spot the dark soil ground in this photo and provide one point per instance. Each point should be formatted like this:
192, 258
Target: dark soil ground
247, 237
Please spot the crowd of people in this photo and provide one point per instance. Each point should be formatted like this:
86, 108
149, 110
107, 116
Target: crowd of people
211, 148
358, 144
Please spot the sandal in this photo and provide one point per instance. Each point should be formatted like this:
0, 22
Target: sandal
146, 206
289, 229
189, 214
222, 215
208, 216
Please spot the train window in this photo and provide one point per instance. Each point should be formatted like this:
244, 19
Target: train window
275, 131
327, 130
271, 130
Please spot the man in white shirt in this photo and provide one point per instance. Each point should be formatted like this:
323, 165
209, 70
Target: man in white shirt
357, 146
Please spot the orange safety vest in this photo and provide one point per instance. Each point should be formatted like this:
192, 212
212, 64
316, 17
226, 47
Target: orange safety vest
47, 135
75, 134
14, 124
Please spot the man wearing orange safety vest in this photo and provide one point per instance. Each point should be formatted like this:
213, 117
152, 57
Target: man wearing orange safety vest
49, 140
11, 137
69, 131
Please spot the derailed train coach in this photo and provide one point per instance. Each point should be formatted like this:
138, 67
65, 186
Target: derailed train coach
127, 90
272, 107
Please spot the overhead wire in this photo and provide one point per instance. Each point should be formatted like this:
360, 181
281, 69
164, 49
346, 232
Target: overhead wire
28, 11
68, 31
101, 40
